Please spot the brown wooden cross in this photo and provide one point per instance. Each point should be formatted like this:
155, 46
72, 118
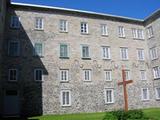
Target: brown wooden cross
124, 83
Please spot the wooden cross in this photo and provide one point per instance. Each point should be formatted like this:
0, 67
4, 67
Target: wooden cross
124, 83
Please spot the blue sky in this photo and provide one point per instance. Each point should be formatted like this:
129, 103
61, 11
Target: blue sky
129, 8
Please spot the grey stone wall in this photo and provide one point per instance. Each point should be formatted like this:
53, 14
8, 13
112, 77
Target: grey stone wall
44, 97
2, 25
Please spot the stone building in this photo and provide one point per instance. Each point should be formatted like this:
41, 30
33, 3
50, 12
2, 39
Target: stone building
58, 60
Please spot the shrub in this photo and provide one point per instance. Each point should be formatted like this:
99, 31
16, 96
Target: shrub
135, 114
130, 115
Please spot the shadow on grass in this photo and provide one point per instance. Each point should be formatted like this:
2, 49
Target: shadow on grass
17, 119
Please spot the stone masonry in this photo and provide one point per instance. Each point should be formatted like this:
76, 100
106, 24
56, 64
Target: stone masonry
37, 98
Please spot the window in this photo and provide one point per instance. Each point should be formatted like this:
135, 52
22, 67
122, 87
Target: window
39, 23
87, 75
13, 75
108, 75
64, 51
145, 94
64, 75
143, 75
14, 48
38, 49
153, 53
140, 54
15, 22
156, 72
150, 32
38, 75
106, 52
127, 73
157, 93
137, 33
124, 53
84, 27
85, 51
109, 96
65, 98
104, 30
121, 31
63, 25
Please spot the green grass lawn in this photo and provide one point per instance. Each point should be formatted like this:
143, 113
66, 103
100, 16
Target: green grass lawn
152, 113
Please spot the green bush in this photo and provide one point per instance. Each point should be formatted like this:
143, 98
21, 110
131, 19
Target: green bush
130, 115
135, 114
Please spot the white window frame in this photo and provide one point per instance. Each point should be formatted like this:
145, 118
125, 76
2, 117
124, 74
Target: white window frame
82, 55
89, 72
157, 94
128, 74
106, 52
35, 70
39, 23
104, 30
142, 95
150, 32
62, 73
156, 72
9, 75
108, 72
121, 31
124, 52
140, 54
61, 98
153, 53
37, 54
9, 45
143, 75
137, 33
17, 26
112, 95
63, 25
84, 27
67, 56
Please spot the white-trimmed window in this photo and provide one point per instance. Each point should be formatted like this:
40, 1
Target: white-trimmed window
15, 22
39, 23
85, 51
143, 75
145, 94
13, 75
108, 75
153, 53
65, 98
63, 25
150, 32
106, 54
104, 30
84, 27
64, 51
64, 75
38, 74
157, 90
124, 53
127, 73
137, 33
140, 54
156, 72
87, 74
14, 48
38, 49
121, 31
109, 95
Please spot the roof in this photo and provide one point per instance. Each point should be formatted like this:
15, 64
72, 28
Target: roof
121, 18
